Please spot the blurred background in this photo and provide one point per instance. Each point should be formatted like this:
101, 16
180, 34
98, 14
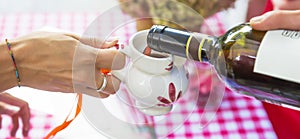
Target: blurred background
7, 6
18, 17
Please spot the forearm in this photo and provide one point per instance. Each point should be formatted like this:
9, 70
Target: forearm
7, 71
45, 61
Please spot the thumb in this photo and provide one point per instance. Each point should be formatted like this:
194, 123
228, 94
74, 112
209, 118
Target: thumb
98, 43
282, 19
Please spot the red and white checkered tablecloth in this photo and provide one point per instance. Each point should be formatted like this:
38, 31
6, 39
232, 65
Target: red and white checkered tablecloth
40, 124
237, 117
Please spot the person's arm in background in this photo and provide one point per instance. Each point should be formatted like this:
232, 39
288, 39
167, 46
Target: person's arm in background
281, 19
16, 109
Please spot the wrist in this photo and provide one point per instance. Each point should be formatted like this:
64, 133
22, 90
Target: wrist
7, 71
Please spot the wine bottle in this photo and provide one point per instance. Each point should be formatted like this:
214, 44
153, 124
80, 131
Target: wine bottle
240, 59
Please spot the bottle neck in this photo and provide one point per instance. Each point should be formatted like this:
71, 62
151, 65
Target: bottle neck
168, 40
181, 43
198, 46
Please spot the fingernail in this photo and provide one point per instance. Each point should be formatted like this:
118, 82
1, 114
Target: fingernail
256, 19
113, 39
116, 41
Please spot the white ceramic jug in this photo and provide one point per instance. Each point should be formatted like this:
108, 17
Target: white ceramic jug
154, 81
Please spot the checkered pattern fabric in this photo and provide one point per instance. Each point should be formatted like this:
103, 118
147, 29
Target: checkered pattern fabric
236, 117
40, 124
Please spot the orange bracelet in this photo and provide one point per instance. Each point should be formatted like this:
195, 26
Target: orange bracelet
105, 71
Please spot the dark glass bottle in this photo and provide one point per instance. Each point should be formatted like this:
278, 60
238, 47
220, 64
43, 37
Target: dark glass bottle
233, 56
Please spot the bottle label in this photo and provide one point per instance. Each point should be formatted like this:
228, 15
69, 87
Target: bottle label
279, 55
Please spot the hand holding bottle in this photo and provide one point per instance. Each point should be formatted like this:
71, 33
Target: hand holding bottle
281, 19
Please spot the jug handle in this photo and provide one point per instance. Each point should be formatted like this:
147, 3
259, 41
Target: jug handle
120, 74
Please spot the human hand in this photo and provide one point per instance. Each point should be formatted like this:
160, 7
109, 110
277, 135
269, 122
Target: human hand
15, 108
63, 62
281, 19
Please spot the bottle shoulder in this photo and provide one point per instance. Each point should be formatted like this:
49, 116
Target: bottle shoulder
241, 34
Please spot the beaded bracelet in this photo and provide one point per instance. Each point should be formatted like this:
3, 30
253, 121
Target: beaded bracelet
14, 62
